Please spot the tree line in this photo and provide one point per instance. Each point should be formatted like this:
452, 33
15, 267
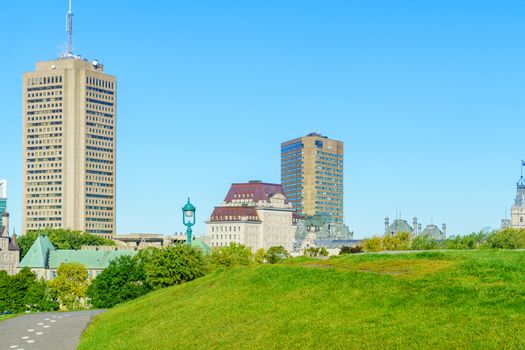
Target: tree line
508, 238
126, 278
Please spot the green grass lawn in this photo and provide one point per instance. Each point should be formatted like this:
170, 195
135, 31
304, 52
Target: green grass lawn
452, 300
5, 317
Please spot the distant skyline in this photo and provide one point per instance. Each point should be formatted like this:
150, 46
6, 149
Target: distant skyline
427, 96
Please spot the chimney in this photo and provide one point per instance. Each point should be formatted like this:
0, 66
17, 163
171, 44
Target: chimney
416, 231
387, 223
444, 230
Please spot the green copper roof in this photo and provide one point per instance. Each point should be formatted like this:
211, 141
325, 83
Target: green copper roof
37, 256
91, 259
197, 242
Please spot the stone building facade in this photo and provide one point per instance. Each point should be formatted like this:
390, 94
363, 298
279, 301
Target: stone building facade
9, 250
255, 214
517, 211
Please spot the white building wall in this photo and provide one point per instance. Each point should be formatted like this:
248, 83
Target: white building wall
518, 217
274, 228
277, 228
222, 233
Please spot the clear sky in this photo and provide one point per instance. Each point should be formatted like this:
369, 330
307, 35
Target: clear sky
428, 96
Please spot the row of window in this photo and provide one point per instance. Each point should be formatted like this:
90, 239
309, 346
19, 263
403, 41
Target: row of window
44, 80
225, 229
47, 92
292, 147
44, 177
100, 83
330, 154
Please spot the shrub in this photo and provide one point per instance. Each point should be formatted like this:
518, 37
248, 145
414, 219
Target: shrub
314, 252
373, 244
472, 241
351, 250
345, 250
356, 249
276, 254
232, 255
399, 241
424, 242
174, 265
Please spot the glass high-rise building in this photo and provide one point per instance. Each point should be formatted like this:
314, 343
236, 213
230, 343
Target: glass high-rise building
312, 174
3, 199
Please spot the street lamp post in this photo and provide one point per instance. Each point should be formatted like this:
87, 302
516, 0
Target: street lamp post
188, 219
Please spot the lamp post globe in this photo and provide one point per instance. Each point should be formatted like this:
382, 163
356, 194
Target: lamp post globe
188, 219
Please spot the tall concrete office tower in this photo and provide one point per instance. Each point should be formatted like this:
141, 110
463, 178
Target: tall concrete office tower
69, 130
312, 175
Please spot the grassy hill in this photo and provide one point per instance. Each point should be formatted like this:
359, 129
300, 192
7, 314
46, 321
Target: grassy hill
459, 300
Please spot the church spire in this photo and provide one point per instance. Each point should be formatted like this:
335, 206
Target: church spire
521, 181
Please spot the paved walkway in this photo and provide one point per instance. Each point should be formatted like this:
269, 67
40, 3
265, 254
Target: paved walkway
44, 331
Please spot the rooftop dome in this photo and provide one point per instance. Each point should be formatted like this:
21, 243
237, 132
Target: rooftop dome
433, 231
399, 225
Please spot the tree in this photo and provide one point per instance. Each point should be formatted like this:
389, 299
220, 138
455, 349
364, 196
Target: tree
276, 254
174, 265
124, 279
260, 256
509, 238
4, 291
38, 297
23, 292
61, 239
19, 285
234, 254
69, 288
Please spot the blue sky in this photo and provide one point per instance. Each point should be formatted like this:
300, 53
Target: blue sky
428, 97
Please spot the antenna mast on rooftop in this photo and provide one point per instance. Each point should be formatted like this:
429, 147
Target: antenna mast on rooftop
69, 30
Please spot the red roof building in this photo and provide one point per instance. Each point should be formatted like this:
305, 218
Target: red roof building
255, 214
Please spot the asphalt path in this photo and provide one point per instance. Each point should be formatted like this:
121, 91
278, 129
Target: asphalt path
45, 331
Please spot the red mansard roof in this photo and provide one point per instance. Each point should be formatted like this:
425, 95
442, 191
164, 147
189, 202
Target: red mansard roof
254, 190
234, 214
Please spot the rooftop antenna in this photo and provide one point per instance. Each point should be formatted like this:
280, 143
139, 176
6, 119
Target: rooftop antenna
69, 30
